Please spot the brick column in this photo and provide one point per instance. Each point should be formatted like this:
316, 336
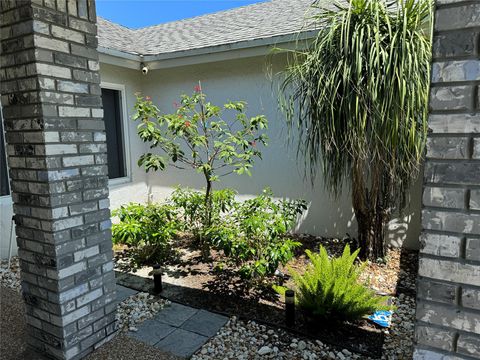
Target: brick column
57, 157
448, 304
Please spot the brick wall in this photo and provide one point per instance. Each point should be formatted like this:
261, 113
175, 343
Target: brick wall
448, 304
56, 149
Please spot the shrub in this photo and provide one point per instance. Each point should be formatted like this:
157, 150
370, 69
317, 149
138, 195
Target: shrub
190, 205
331, 289
254, 237
147, 228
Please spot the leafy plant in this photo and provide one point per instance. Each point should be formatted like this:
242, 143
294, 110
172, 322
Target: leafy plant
358, 97
255, 238
190, 205
196, 136
148, 229
331, 288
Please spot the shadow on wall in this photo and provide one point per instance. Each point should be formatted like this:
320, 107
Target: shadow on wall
325, 217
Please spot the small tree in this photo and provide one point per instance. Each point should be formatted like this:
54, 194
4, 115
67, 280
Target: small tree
196, 136
358, 96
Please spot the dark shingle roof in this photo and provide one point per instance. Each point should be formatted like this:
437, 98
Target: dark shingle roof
258, 21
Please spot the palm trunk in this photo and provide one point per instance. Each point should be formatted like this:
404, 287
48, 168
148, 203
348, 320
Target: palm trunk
370, 211
371, 230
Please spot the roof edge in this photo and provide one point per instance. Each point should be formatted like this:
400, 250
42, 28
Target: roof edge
134, 60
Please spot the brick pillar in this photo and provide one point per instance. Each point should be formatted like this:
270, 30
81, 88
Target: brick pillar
57, 156
448, 304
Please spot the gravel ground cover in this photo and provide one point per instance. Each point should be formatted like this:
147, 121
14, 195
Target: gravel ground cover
250, 340
136, 309
10, 277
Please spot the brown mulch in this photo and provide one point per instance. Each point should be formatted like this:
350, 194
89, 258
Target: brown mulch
195, 283
123, 347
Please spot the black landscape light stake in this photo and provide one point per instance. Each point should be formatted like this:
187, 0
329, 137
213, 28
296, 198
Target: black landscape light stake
290, 308
157, 278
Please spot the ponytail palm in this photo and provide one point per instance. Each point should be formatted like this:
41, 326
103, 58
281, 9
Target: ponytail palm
358, 96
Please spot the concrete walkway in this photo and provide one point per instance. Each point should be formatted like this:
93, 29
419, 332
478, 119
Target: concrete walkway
177, 329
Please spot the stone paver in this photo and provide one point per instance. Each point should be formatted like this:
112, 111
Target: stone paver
152, 331
123, 293
182, 343
205, 323
178, 329
175, 314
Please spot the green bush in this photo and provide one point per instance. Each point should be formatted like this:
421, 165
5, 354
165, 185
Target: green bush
254, 236
331, 289
191, 207
147, 228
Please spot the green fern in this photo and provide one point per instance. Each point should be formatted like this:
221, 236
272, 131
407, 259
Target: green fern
331, 289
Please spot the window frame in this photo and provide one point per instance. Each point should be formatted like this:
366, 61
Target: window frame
125, 132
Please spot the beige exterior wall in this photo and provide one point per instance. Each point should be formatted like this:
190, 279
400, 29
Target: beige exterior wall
244, 79
247, 79
134, 186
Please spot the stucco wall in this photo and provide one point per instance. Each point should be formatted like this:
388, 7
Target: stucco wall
244, 79
6, 213
135, 187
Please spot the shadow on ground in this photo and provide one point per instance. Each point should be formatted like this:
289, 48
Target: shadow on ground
360, 337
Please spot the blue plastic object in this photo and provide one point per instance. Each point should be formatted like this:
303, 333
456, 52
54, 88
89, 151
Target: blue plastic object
382, 318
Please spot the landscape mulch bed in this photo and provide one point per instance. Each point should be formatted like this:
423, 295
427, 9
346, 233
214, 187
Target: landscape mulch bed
190, 281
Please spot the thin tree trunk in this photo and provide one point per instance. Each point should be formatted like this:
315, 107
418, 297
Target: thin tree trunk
369, 211
205, 248
208, 203
371, 234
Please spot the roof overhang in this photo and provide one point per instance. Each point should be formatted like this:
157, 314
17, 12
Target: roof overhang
238, 50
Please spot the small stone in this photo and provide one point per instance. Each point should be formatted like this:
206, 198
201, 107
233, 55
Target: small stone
264, 350
301, 345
